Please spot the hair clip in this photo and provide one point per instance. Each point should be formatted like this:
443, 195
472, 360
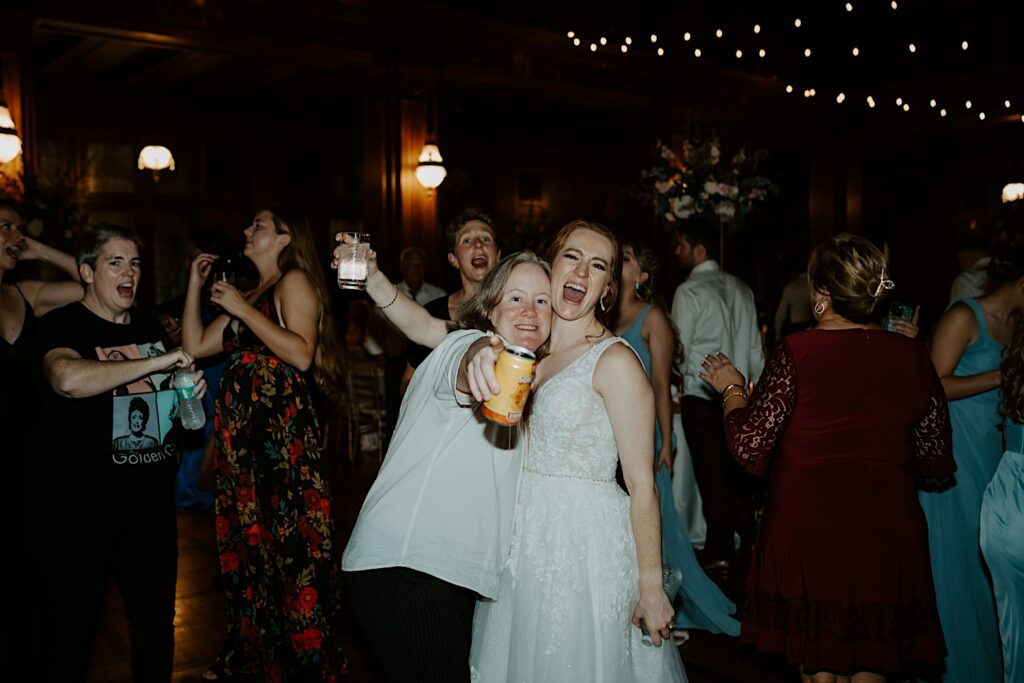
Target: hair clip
883, 284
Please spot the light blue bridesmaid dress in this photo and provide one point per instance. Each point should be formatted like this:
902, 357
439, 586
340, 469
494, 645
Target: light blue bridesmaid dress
701, 604
1002, 541
963, 591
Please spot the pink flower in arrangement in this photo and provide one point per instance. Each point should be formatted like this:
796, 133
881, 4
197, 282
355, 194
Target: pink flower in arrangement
727, 190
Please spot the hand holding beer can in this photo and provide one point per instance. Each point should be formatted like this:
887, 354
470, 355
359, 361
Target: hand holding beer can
514, 372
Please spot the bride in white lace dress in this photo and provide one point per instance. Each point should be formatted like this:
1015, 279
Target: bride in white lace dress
585, 561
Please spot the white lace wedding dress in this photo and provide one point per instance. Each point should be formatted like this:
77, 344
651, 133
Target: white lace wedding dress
566, 595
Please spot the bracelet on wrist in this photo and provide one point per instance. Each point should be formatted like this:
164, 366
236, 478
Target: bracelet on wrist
730, 386
393, 300
734, 394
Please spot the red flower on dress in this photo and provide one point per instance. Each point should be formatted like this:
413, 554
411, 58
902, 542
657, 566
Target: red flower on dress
312, 498
325, 507
309, 639
248, 357
253, 534
244, 494
229, 562
307, 600
222, 527
248, 592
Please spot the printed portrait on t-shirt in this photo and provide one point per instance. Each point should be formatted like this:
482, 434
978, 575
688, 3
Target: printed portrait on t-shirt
144, 411
160, 380
139, 421
120, 353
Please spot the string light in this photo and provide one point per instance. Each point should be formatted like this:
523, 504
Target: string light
603, 41
661, 52
654, 38
797, 23
906, 107
981, 115
624, 49
570, 34
856, 51
932, 103
1006, 103
942, 112
593, 47
871, 101
963, 45
696, 53
912, 47
739, 54
899, 101
757, 28
967, 104
1022, 118
813, 92
789, 88
807, 52
718, 33
629, 41
894, 5
849, 7
686, 36
840, 98
807, 93
761, 52
576, 42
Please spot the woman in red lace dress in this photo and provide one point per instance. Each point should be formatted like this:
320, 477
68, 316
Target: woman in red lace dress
847, 421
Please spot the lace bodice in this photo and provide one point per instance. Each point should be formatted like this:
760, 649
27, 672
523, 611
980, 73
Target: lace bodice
569, 431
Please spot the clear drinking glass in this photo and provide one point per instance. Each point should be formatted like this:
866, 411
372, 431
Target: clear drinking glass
352, 259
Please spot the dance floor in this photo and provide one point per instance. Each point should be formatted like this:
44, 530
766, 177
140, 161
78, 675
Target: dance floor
200, 619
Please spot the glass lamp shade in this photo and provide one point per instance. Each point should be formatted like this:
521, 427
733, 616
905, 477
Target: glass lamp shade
156, 158
430, 172
10, 143
1012, 192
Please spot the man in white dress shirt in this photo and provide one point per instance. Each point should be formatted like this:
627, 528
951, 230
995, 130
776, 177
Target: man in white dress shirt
714, 311
413, 264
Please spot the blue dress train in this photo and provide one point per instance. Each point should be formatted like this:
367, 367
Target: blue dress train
1002, 541
963, 590
701, 604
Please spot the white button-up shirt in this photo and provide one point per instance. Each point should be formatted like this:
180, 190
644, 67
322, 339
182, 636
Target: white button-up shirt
714, 311
971, 283
424, 295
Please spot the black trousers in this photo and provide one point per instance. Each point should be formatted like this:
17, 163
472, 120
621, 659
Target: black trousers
90, 541
724, 487
418, 625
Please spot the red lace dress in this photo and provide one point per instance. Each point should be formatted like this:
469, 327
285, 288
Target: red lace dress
846, 423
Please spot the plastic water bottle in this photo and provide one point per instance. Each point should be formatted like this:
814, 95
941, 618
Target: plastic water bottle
191, 408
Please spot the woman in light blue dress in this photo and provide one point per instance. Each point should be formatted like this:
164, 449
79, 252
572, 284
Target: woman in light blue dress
966, 351
1002, 513
702, 605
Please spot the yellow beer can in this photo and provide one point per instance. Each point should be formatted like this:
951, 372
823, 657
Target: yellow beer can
514, 371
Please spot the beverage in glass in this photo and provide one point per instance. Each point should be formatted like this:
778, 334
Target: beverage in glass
352, 258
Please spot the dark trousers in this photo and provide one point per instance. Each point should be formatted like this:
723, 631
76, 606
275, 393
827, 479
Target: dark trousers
724, 487
418, 626
91, 541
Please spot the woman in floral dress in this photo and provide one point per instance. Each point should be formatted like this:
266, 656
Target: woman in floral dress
274, 526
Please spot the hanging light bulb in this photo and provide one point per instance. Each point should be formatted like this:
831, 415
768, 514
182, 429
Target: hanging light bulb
840, 98
856, 51
912, 48
739, 54
156, 158
718, 33
942, 113
807, 52
963, 45
789, 88
686, 36
871, 101
10, 143
661, 52
757, 28
761, 52
932, 103
430, 171
697, 53
797, 23
1006, 103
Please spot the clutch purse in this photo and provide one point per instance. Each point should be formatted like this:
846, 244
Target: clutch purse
672, 580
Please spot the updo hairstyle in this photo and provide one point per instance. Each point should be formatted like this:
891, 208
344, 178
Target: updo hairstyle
850, 270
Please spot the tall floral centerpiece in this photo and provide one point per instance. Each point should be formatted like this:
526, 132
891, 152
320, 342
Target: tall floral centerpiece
699, 180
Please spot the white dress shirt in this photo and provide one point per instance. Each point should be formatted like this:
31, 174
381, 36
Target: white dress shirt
424, 295
714, 311
444, 500
971, 283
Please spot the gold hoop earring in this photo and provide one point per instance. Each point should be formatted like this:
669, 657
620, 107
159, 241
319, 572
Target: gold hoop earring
819, 308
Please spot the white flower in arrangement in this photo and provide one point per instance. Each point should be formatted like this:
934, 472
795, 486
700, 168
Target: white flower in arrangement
725, 210
710, 187
682, 206
667, 153
727, 190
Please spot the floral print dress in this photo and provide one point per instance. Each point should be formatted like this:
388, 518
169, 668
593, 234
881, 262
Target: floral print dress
273, 515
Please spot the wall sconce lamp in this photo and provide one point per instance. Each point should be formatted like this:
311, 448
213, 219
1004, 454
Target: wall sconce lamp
10, 143
156, 158
1012, 192
430, 171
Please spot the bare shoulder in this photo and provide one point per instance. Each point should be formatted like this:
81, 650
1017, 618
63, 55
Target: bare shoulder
617, 365
958, 321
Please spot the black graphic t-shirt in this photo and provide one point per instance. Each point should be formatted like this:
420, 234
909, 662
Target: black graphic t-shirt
119, 444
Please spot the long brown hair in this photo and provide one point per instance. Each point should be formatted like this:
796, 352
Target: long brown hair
614, 268
1012, 405
300, 254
